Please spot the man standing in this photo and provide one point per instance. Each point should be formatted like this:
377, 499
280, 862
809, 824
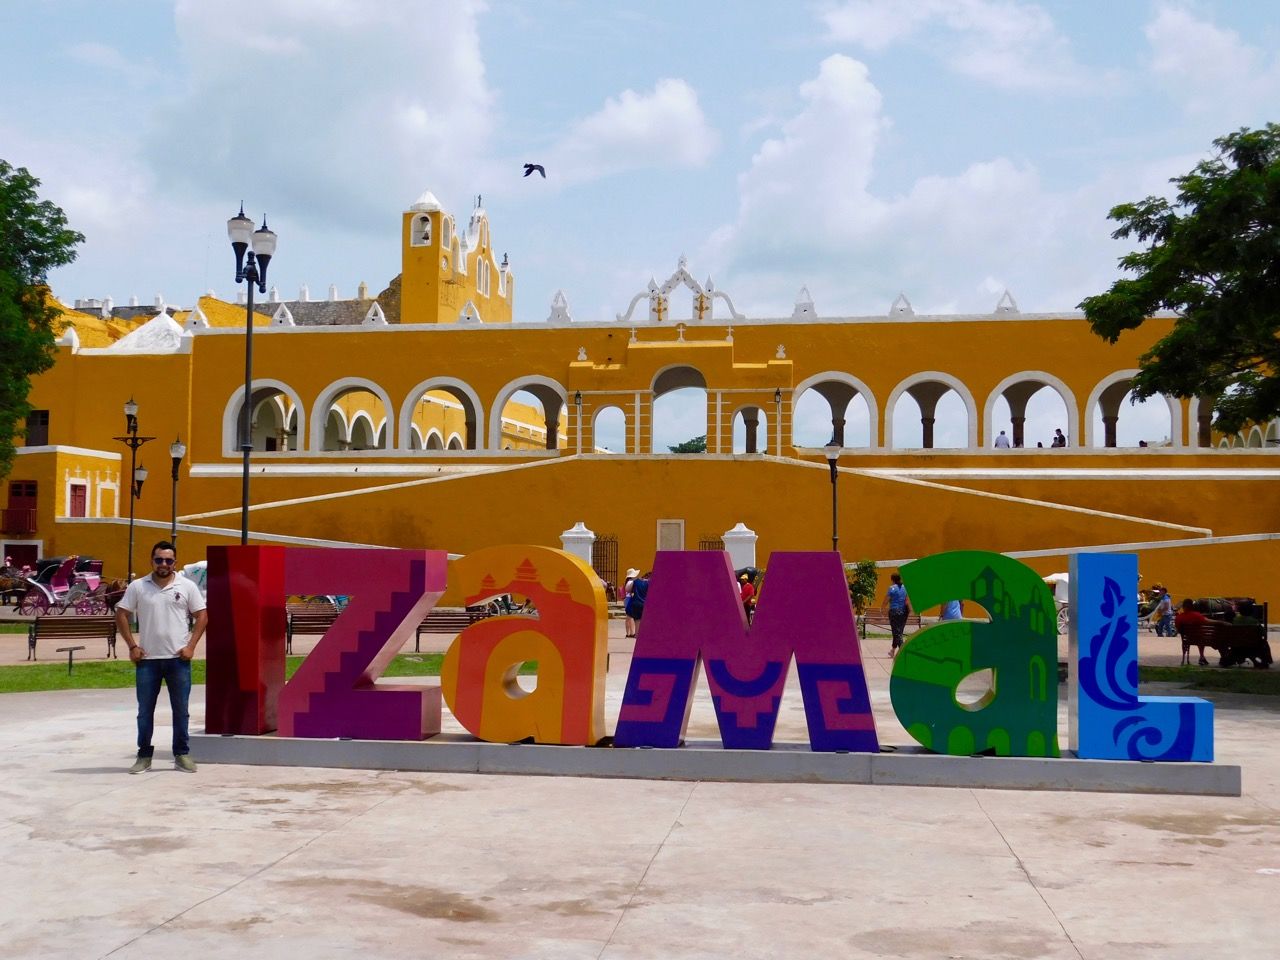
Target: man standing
165, 604
1002, 441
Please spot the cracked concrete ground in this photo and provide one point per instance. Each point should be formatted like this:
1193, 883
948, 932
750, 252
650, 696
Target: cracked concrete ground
244, 862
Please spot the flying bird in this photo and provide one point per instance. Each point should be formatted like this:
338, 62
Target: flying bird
530, 168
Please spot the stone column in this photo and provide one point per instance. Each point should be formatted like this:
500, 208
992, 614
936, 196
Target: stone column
578, 540
837, 431
1019, 433
1109, 430
926, 432
740, 542
751, 418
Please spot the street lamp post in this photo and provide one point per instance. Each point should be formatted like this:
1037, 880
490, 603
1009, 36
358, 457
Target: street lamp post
137, 474
254, 270
832, 450
177, 450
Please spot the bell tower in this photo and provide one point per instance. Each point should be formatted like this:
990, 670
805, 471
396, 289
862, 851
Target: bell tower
423, 260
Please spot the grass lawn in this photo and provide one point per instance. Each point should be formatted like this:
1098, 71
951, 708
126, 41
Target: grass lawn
93, 674
12, 627
1226, 680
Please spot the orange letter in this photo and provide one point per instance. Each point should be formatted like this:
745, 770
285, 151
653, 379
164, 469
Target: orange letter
566, 633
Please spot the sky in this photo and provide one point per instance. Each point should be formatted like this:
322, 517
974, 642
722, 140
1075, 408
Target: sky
944, 149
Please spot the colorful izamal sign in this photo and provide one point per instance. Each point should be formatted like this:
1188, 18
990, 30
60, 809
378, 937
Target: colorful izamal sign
693, 619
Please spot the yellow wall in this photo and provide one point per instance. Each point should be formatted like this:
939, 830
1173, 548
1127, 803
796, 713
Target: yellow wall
894, 504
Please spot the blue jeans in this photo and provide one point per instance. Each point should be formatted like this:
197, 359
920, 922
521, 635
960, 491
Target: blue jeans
1165, 628
176, 674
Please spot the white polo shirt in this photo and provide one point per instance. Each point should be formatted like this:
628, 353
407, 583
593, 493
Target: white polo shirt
163, 614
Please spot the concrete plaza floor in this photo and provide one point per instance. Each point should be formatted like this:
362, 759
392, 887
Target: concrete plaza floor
242, 862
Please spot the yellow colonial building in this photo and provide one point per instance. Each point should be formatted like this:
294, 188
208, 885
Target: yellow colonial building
432, 415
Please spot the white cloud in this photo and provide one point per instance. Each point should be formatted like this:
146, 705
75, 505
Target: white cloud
663, 128
1211, 70
99, 55
330, 109
807, 214
1008, 44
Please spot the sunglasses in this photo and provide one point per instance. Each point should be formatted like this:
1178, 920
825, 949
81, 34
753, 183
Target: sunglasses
165, 561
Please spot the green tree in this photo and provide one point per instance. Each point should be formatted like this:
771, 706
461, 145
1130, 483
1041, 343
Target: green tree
862, 577
34, 238
1212, 254
696, 445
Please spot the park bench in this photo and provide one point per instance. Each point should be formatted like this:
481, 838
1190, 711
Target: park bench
450, 621
316, 618
879, 617
307, 619
1235, 642
71, 628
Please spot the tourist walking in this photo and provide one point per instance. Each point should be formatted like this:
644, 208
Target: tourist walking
1163, 615
899, 610
164, 604
635, 602
632, 573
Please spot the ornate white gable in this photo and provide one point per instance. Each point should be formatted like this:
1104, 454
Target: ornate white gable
704, 297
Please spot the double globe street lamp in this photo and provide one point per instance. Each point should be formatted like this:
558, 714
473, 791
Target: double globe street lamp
254, 270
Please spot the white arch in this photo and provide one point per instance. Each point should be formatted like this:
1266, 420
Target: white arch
864, 391
415, 435
439, 438
231, 414
1255, 434
595, 420
971, 408
365, 416
503, 396
327, 397
1175, 408
439, 383
1273, 433
1049, 380
455, 442
763, 444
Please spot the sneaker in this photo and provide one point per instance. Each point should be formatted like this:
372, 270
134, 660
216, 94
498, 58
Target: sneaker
184, 763
141, 765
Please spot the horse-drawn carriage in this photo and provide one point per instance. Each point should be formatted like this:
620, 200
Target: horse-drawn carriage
66, 583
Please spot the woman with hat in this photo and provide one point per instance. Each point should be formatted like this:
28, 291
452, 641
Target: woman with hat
632, 573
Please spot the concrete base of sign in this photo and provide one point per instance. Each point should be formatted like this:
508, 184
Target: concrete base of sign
707, 760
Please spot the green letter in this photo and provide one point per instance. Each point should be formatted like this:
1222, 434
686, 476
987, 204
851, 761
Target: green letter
1019, 714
